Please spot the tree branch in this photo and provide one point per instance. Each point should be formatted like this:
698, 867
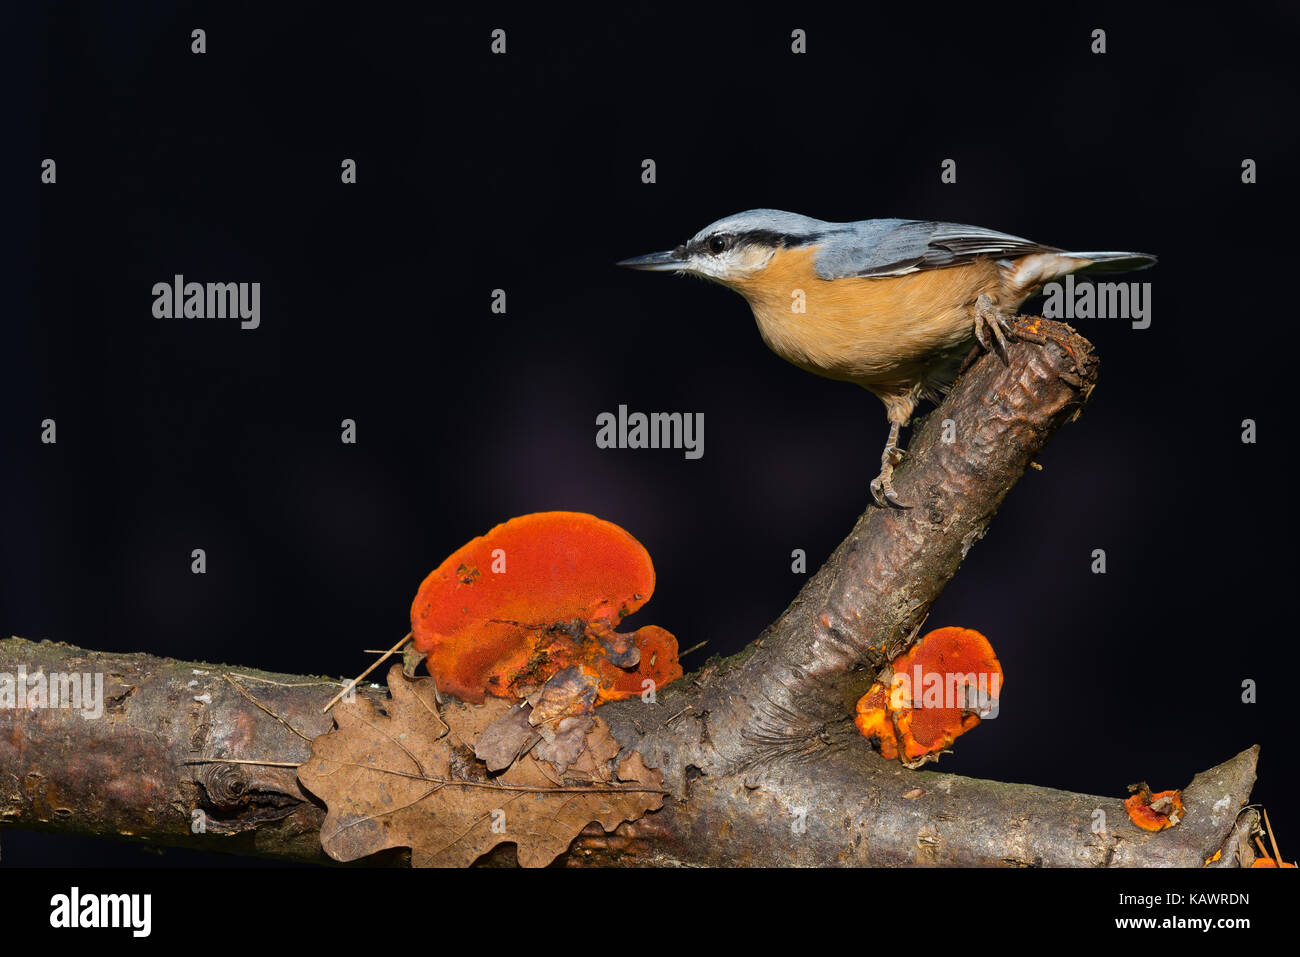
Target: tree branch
758, 750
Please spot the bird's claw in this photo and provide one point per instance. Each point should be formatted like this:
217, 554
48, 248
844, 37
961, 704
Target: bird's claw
989, 319
882, 490
882, 486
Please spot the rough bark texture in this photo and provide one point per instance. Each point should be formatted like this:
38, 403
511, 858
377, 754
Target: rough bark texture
759, 749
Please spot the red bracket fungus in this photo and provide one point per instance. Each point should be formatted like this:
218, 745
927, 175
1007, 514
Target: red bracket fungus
931, 695
534, 596
1154, 812
658, 663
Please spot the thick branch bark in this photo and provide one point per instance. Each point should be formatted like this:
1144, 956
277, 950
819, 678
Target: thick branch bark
750, 746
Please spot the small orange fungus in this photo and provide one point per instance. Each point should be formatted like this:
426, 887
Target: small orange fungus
1154, 812
939, 689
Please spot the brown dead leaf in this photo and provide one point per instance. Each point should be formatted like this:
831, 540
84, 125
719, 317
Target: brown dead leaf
411, 659
409, 778
632, 768
598, 753
509, 736
567, 693
468, 722
567, 743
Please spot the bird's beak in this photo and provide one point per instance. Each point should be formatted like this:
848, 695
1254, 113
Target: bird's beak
666, 261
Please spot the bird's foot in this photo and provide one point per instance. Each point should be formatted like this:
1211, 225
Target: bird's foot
882, 486
992, 323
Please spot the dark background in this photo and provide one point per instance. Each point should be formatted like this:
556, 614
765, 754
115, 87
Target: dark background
523, 172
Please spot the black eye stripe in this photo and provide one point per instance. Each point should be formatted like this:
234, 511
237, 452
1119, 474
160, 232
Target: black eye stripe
749, 237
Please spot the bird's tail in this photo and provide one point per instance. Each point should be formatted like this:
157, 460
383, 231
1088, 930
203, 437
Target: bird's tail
1027, 276
1112, 261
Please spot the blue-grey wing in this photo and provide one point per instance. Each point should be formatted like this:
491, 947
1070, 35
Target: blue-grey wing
896, 247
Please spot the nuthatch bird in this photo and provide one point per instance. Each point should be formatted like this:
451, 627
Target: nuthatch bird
890, 304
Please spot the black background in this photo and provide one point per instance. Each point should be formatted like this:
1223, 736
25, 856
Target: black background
522, 172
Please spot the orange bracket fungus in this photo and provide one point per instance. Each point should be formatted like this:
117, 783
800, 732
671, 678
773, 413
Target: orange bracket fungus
533, 597
1154, 812
657, 663
933, 693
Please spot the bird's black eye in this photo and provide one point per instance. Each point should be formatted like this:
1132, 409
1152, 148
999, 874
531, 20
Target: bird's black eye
718, 244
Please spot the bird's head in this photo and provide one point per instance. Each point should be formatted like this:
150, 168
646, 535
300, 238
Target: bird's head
734, 249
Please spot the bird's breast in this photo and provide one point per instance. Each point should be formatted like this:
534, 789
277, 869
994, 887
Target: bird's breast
869, 331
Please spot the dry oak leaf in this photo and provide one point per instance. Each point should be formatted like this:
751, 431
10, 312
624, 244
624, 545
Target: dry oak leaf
406, 776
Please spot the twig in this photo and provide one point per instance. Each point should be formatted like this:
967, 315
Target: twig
488, 785
247, 694
358, 679
1268, 827
284, 684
